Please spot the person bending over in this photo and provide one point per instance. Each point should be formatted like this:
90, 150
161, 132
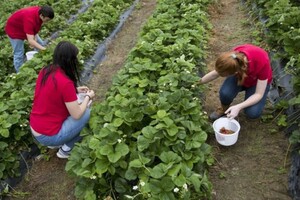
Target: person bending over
24, 24
246, 68
57, 118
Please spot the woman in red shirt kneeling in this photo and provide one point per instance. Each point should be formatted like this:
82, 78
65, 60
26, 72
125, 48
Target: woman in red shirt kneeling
246, 68
57, 118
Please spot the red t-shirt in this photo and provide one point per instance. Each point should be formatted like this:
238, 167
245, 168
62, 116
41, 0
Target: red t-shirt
49, 110
22, 22
259, 67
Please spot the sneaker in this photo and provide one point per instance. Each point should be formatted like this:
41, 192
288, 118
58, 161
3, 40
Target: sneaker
218, 113
63, 154
53, 147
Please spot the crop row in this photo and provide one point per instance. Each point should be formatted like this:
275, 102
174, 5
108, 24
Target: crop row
282, 23
147, 139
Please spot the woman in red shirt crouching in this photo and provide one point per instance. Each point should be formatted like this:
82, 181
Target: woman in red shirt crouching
57, 118
246, 68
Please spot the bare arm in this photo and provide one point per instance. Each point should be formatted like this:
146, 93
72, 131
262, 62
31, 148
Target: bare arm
32, 42
261, 85
210, 76
76, 110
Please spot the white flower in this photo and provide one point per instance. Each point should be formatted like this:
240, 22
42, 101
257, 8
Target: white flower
193, 86
93, 177
185, 186
105, 125
142, 183
119, 140
135, 187
176, 190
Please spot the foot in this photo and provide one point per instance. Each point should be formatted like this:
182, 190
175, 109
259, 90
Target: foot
53, 147
217, 114
63, 154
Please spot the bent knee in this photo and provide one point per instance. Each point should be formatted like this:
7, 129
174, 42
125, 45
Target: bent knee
253, 114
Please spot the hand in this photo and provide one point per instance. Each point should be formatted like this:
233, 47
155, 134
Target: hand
199, 82
82, 89
91, 93
232, 111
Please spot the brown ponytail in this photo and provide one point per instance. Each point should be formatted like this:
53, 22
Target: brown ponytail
230, 63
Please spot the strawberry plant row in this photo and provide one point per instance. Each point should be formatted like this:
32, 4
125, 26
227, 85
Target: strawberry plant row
283, 28
282, 22
17, 89
147, 139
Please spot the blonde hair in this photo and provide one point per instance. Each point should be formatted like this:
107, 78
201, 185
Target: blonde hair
232, 63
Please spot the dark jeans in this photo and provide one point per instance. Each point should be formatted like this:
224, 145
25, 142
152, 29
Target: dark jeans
230, 89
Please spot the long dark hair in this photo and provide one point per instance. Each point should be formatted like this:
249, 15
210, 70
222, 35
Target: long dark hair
65, 58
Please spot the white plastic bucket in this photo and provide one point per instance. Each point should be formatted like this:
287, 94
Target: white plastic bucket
29, 54
229, 124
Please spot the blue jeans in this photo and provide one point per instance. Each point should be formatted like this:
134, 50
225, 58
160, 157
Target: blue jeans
69, 133
230, 89
19, 52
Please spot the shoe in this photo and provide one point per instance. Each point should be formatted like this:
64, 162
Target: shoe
220, 112
216, 115
63, 154
53, 147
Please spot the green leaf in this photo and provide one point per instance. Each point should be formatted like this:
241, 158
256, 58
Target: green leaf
149, 132
169, 156
122, 148
142, 143
118, 122
155, 186
86, 162
172, 130
161, 114
173, 172
101, 166
195, 179
4, 133
159, 171
94, 143
131, 174
167, 184
121, 185
3, 145
180, 180
136, 163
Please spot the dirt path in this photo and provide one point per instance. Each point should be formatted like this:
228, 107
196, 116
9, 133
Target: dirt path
252, 169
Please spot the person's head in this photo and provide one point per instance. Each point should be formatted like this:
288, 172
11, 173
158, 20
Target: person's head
65, 58
232, 63
46, 13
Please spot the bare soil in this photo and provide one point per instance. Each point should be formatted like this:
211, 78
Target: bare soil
255, 168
